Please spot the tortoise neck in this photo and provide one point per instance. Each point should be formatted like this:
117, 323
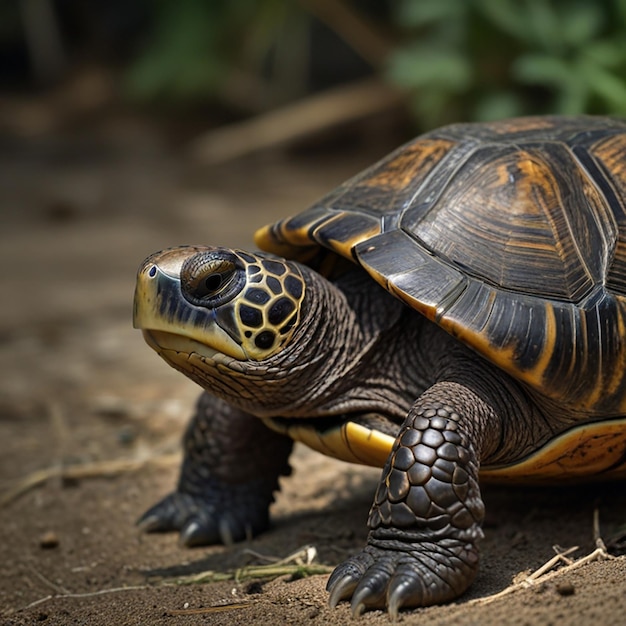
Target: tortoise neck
358, 345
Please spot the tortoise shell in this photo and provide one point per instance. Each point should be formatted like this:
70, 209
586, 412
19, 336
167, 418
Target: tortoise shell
509, 235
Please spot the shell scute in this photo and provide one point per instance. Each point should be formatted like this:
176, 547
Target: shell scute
426, 286
511, 216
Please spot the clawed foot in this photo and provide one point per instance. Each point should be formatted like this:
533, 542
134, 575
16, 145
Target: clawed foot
207, 520
404, 575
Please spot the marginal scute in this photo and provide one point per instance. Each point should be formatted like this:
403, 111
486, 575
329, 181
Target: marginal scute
420, 279
343, 231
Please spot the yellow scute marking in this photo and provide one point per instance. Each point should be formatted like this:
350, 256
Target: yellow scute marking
372, 446
535, 375
344, 248
596, 450
410, 164
350, 442
266, 240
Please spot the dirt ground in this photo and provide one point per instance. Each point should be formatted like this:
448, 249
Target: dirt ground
90, 418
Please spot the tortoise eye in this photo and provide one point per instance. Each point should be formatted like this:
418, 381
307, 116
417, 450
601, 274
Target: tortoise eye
211, 278
213, 282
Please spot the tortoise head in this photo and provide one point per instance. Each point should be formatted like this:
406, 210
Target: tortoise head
218, 301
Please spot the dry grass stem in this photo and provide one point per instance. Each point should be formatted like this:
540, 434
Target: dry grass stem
97, 469
300, 563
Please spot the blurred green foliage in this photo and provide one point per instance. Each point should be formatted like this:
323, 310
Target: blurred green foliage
488, 59
193, 46
459, 59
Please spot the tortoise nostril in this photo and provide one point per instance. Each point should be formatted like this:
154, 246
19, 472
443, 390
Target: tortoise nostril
152, 271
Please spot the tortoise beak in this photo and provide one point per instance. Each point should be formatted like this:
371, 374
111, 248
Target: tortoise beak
160, 306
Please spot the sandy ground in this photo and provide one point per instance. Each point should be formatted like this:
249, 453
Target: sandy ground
93, 418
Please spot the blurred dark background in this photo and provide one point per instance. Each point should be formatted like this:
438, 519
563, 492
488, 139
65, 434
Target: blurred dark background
220, 61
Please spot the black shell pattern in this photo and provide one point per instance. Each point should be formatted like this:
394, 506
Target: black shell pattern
510, 235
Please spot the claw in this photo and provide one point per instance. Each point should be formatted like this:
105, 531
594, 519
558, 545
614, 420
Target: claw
149, 523
225, 531
162, 516
358, 608
370, 592
340, 588
363, 596
195, 533
376, 578
403, 591
393, 609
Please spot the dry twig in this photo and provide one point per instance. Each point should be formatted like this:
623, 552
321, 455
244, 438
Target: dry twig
294, 121
544, 573
216, 608
99, 592
97, 469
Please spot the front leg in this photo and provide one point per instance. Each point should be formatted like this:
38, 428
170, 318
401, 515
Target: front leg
228, 478
425, 523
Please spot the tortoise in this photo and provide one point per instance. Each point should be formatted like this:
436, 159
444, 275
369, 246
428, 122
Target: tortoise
456, 312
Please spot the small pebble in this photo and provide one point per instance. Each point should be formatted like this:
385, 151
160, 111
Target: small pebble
126, 435
49, 540
565, 589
